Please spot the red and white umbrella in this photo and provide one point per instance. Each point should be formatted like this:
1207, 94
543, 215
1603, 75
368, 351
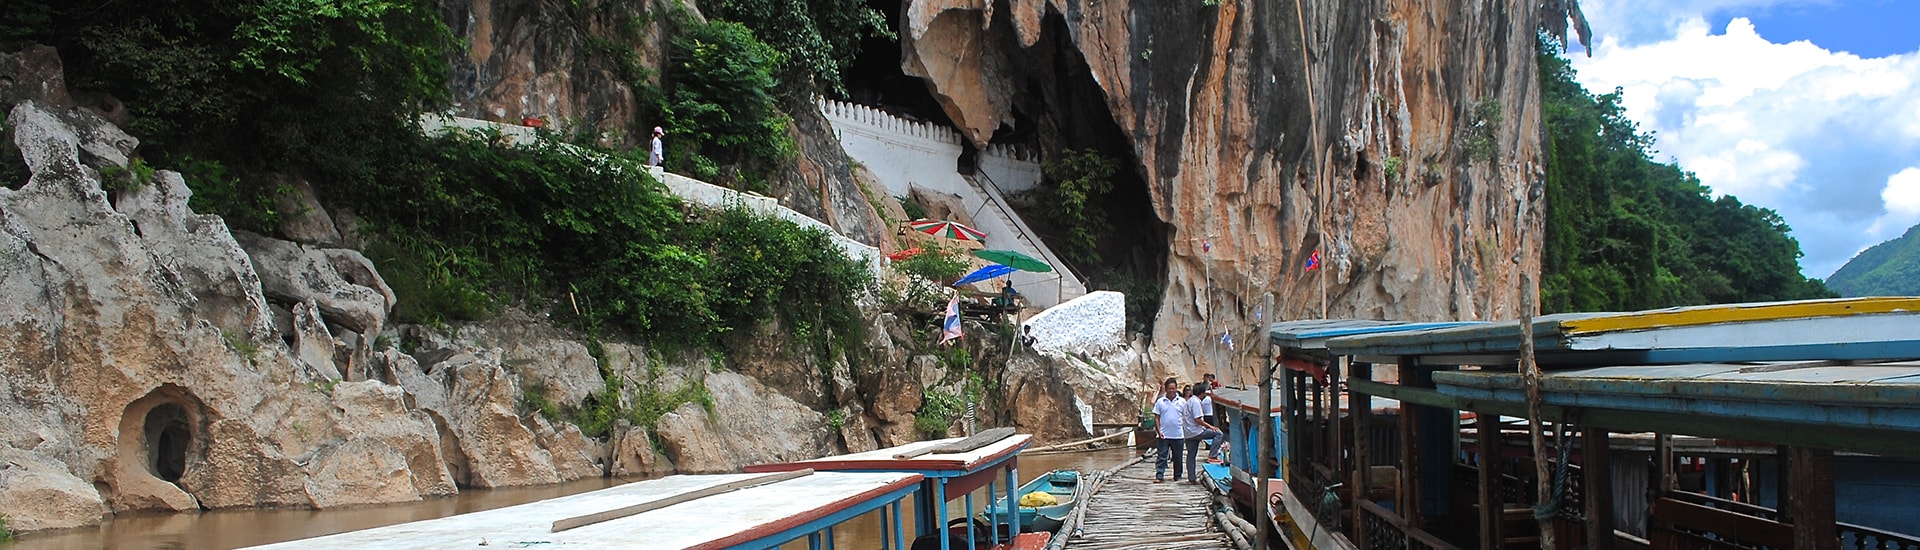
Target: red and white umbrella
951, 230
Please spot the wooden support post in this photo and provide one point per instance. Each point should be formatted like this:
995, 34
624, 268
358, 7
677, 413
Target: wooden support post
1665, 478
1597, 464
1487, 433
1362, 405
1782, 457
1263, 435
1409, 506
1334, 448
1812, 498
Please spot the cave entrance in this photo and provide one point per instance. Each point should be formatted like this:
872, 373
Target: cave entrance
875, 79
168, 437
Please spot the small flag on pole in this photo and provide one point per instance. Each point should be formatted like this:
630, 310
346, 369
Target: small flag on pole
1226, 338
950, 329
1206, 245
1313, 261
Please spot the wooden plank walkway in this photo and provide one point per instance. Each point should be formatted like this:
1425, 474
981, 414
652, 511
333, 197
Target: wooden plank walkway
1129, 511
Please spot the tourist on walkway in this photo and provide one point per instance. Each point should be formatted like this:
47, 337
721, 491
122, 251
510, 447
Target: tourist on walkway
1169, 413
1197, 430
658, 154
1203, 393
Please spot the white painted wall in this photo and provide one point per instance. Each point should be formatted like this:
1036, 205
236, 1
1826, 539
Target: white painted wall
1093, 324
903, 153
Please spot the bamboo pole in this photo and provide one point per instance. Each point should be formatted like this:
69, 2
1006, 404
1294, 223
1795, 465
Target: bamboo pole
1263, 438
1530, 372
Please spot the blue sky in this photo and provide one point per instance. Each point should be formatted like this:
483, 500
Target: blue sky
1808, 107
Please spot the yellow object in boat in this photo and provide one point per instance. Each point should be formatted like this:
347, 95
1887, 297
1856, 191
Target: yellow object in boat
1037, 499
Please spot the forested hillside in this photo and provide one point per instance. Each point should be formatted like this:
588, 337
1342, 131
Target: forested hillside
1627, 233
1891, 268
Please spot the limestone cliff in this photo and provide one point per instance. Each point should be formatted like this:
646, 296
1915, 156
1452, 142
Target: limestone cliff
1399, 139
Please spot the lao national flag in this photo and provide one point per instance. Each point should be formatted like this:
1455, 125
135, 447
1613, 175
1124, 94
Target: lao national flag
950, 329
1313, 261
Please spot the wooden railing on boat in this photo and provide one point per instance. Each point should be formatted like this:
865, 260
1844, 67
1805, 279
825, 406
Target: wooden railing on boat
1695, 521
1385, 530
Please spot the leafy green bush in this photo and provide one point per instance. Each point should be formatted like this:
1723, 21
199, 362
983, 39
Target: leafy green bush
724, 124
1077, 184
1483, 125
938, 409
820, 37
927, 272
913, 209
466, 226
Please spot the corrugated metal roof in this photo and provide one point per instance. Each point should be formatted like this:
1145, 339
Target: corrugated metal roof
1882, 396
1313, 334
1846, 329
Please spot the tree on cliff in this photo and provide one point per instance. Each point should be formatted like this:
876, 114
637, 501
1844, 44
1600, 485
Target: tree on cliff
1627, 233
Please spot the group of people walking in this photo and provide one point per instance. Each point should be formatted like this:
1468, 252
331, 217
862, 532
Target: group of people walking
1184, 418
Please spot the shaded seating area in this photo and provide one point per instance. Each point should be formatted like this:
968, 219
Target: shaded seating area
1743, 426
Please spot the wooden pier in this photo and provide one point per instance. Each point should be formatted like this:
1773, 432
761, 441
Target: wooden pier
1128, 511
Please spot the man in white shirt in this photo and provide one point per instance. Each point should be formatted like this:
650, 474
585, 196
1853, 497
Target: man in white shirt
1197, 429
1170, 414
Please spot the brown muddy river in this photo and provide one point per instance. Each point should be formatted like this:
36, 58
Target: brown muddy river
224, 529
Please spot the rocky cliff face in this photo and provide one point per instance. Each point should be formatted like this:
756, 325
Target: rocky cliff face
1399, 139
152, 359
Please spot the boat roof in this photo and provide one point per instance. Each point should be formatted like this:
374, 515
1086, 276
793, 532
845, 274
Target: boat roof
1247, 399
1312, 334
1850, 406
929, 465
1859, 329
757, 516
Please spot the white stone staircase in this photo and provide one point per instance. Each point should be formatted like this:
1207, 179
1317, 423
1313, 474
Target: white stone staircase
905, 154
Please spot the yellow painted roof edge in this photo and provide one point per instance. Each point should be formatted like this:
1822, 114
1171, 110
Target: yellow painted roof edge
1736, 313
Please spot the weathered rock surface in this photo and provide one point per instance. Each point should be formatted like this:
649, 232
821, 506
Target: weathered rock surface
354, 297
755, 426
1270, 133
141, 357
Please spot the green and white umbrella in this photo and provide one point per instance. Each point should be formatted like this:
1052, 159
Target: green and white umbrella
1014, 260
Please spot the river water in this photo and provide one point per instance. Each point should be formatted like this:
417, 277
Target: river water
222, 529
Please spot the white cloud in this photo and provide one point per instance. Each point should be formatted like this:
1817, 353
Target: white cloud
1814, 134
1902, 197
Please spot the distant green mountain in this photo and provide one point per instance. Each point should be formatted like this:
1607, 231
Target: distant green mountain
1891, 268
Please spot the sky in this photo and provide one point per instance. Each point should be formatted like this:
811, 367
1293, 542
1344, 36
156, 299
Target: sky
1808, 107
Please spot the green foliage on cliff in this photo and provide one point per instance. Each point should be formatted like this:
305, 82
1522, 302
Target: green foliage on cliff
1627, 233
1891, 268
594, 239
1073, 200
820, 37
726, 126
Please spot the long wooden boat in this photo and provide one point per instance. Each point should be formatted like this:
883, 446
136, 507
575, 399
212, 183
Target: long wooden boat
1060, 484
675, 512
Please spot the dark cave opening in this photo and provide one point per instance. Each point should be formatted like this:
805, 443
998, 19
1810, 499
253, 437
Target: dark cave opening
1058, 106
876, 80
1061, 107
168, 437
